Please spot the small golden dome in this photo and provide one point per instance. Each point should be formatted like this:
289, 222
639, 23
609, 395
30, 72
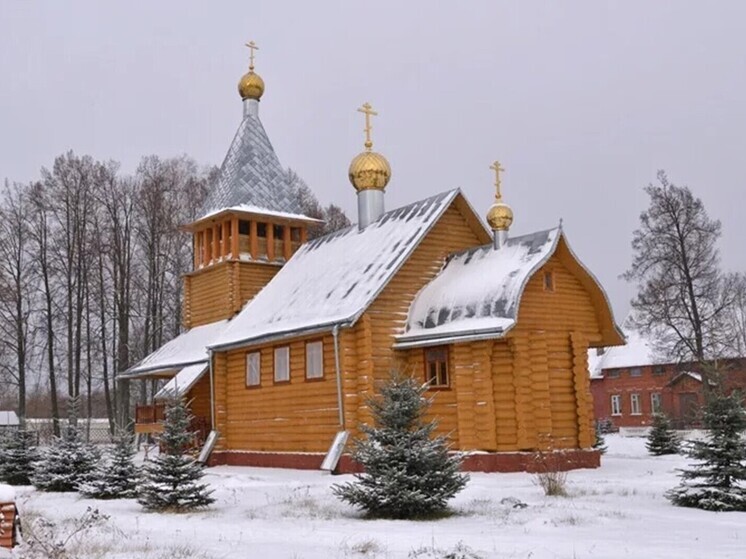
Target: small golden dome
369, 171
500, 216
251, 86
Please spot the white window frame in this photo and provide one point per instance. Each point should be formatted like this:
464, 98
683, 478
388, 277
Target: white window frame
616, 404
635, 372
656, 402
635, 405
315, 360
253, 368
282, 364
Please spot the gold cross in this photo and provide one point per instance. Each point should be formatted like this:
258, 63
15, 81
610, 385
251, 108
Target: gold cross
497, 168
253, 47
367, 110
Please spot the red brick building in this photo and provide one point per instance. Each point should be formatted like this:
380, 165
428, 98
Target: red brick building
629, 385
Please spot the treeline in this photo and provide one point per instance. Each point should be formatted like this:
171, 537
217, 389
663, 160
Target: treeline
91, 261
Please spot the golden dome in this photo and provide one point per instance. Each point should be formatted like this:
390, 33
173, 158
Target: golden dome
369, 171
251, 86
500, 216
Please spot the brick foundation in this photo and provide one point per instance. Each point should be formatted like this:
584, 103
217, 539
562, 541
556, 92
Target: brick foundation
486, 462
8, 511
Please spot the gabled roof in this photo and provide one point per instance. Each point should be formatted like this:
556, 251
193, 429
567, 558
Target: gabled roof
182, 382
186, 349
332, 280
252, 174
477, 293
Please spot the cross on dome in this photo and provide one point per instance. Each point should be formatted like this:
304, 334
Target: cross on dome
252, 47
367, 110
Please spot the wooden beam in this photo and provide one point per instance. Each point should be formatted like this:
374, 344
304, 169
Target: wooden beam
216, 242
270, 241
303, 235
287, 246
253, 241
234, 238
226, 238
195, 250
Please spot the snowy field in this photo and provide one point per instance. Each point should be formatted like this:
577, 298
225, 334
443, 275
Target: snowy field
615, 511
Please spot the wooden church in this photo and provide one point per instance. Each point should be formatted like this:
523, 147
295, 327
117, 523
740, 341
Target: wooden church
285, 338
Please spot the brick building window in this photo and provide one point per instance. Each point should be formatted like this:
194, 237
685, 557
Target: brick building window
616, 404
436, 366
282, 364
659, 370
613, 373
634, 404
655, 402
635, 372
253, 369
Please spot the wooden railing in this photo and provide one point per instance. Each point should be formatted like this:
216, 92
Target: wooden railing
149, 419
154, 413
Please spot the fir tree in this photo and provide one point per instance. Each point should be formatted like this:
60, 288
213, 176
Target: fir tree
115, 477
17, 454
718, 480
408, 473
600, 444
662, 439
66, 463
171, 480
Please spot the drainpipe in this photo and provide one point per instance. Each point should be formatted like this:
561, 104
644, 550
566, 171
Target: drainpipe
212, 392
335, 335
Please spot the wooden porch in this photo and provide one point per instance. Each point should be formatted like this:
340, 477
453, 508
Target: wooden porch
149, 419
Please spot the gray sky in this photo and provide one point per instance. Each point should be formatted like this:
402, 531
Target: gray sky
581, 101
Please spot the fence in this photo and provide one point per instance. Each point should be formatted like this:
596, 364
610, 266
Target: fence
93, 430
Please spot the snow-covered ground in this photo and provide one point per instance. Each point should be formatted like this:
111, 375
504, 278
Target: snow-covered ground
615, 511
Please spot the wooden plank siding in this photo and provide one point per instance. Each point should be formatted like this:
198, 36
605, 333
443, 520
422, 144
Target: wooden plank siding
199, 398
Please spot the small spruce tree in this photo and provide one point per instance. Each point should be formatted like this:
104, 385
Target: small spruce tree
17, 454
66, 463
662, 438
408, 473
600, 444
115, 477
171, 480
717, 481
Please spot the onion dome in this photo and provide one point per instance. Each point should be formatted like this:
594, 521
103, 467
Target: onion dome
369, 170
251, 84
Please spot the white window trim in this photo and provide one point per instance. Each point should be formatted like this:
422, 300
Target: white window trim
618, 399
652, 404
249, 358
282, 364
315, 360
632, 401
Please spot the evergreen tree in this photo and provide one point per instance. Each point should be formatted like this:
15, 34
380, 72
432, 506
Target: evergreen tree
600, 444
408, 473
115, 477
718, 480
662, 439
17, 454
66, 463
171, 480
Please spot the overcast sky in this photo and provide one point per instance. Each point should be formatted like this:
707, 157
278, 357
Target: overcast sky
582, 102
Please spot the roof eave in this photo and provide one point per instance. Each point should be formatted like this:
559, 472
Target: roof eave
474, 335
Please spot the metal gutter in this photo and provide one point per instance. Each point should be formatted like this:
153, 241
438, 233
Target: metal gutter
340, 403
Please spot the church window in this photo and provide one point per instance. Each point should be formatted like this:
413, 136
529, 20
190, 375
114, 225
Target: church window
314, 360
634, 401
244, 227
261, 230
253, 369
616, 404
436, 367
279, 231
282, 364
548, 281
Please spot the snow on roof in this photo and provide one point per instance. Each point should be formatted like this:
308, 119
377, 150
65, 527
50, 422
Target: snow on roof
637, 352
182, 382
251, 209
186, 349
8, 418
478, 291
332, 279
7, 493
252, 174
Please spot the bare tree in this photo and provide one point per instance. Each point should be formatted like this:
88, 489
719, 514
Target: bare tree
682, 294
737, 314
17, 283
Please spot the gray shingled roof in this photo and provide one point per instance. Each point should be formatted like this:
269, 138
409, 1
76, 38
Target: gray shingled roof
478, 292
252, 174
333, 279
